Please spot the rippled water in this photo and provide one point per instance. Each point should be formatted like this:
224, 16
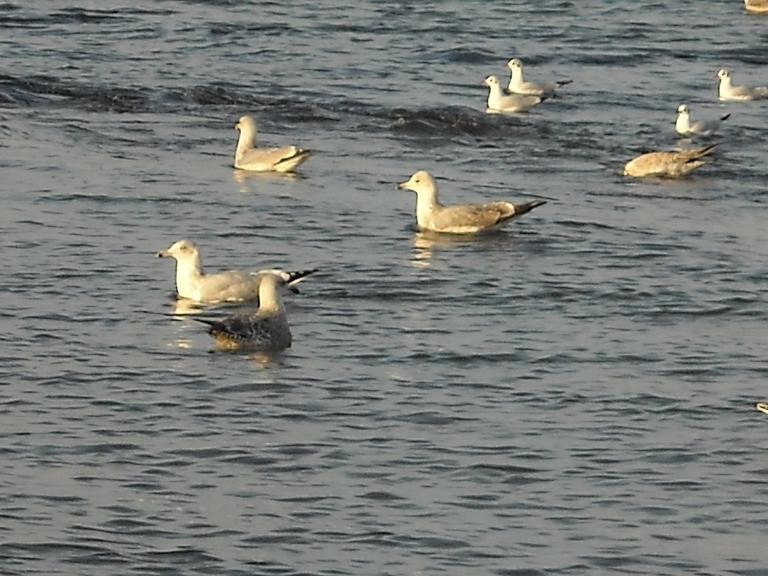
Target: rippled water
570, 395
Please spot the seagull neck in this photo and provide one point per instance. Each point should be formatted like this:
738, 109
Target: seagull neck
269, 299
683, 123
494, 97
188, 272
517, 77
426, 202
246, 142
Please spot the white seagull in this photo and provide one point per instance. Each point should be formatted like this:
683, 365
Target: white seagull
667, 164
727, 91
498, 102
249, 157
518, 85
459, 219
229, 286
686, 127
265, 330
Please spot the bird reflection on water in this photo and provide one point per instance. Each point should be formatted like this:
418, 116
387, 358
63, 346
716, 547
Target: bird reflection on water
427, 244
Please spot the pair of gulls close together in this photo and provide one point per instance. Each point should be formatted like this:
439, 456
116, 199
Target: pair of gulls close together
675, 164
266, 329
521, 95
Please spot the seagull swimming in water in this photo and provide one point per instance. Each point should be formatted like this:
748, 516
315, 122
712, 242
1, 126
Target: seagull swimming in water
686, 127
667, 164
498, 102
229, 286
518, 85
458, 219
265, 330
727, 91
249, 157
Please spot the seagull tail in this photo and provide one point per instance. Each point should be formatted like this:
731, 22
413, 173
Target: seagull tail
213, 325
693, 155
293, 278
527, 206
288, 278
725, 117
563, 82
289, 163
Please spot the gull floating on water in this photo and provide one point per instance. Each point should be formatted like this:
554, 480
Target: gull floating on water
500, 102
459, 219
756, 6
667, 164
518, 85
229, 286
686, 127
249, 157
265, 330
762, 407
727, 91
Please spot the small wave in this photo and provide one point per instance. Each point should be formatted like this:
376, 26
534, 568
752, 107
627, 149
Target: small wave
208, 95
248, 29
39, 89
464, 55
83, 15
449, 120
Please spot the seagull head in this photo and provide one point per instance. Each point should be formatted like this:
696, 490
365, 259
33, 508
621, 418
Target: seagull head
421, 181
515, 64
682, 109
723, 73
491, 81
246, 124
180, 251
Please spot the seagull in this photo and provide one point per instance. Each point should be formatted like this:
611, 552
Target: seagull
248, 157
762, 407
264, 330
500, 102
230, 286
756, 6
667, 164
460, 219
727, 91
517, 85
685, 127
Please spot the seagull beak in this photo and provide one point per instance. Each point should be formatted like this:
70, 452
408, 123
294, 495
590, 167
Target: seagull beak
403, 185
162, 254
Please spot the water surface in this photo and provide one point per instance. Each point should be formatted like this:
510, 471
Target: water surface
572, 394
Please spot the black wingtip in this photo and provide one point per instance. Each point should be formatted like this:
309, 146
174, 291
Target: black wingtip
528, 206
212, 324
296, 277
725, 117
